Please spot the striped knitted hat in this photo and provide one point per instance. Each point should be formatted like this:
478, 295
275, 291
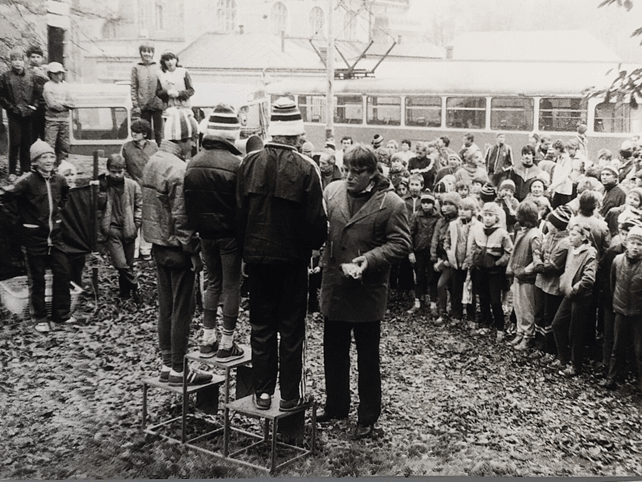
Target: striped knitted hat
180, 124
285, 119
223, 122
488, 193
560, 217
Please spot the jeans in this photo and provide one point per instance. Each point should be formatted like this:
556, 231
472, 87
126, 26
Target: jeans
222, 259
626, 328
569, 329
337, 337
278, 302
175, 293
524, 304
19, 143
155, 118
61, 296
57, 136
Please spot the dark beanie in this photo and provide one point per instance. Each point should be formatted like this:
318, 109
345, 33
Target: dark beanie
560, 217
488, 194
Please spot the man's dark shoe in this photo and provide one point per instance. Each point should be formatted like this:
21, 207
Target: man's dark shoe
261, 402
164, 376
291, 405
364, 431
233, 353
193, 378
325, 417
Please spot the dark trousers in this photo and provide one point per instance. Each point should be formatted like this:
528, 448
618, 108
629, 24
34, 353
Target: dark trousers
569, 329
122, 258
609, 336
155, 118
61, 298
426, 280
19, 143
175, 280
38, 126
488, 285
314, 282
626, 328
278, 302
546, 306
337, 337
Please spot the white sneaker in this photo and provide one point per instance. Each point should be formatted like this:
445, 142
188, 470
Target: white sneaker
416, 307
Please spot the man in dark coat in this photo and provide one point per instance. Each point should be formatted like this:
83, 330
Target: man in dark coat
369, 232
281, 220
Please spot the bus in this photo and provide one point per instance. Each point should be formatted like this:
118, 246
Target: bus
451, 98
101, 118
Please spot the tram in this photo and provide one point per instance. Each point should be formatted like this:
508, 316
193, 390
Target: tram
451, 98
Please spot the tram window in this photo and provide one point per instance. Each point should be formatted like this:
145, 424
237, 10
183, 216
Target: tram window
108, 123
511, 114
423, 111
384, 111
348, 109
613, 117
312, 108
466, 112
561, 114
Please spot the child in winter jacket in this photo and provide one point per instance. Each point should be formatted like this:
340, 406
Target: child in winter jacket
121, 205
522, 265
626, 280
59, 102
422, 227
548, 295
576, 284
489, 248
456, 244
450, 202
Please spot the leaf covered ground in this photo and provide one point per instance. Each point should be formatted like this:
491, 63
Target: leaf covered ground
454, 404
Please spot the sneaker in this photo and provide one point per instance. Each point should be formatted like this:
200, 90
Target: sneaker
500, 336
433, 306
548, 358
440, 320
233, 353
164, 374
208, 347
72, 320
415, 308
516, 340
365, 431
291, 405
42, 327
193, 378
263, 401
147, 257
523, 345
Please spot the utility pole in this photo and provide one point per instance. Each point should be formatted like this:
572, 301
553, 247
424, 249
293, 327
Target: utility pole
329, 96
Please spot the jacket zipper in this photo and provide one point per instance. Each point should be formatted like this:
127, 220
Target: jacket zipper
49, 197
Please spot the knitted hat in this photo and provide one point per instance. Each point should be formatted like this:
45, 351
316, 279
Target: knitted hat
55, 68
441, 187
224, 122
610, 169
39, 148
34, 49
286, 119
254, 143
638, 192
488, 193
507, 184
377, 141
451, 198
469, 204
494, 209
560, 217
583, 228
180, 124
141, 126
635, 232
428, 196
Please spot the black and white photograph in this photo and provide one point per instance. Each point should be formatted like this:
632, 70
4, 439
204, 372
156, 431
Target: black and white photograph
318, 239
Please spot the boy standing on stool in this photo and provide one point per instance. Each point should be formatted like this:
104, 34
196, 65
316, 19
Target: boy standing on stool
122, 206
58, 101
40, 196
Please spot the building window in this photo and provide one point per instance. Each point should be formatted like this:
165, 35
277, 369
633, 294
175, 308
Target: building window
226, 15
511, 114
466, 112
615, 117
145, 17
561, 114
317, 21
159, 16
279, 18
350, 26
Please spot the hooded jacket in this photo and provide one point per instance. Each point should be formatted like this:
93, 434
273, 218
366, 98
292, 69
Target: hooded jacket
280, 215
210, 189
579, 273
488, 248
379, 231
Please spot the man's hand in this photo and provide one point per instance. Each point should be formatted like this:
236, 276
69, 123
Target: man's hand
412, 258
197, 263
361, 262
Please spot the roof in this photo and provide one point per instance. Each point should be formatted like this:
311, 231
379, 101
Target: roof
552, 46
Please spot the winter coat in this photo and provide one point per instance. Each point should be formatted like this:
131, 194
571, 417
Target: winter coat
144, 80
19, 92
613, 197
488, 248
526, 250
456, 242
131, 202
604, 266
164, 217
579, 272
553, 259
39, 201
210, 189
137, 157
626, 282
523, 177
178, 80
498, 158
422, 228
281, 217
441, 232
379, 231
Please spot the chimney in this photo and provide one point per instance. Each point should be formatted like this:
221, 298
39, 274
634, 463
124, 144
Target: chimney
449, 52
282, 40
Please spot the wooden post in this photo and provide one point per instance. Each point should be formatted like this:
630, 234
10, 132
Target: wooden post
94, 224
329, 96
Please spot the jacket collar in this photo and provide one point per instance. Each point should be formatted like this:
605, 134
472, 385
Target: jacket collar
218, 142
278, 145
382, 188
172, 148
